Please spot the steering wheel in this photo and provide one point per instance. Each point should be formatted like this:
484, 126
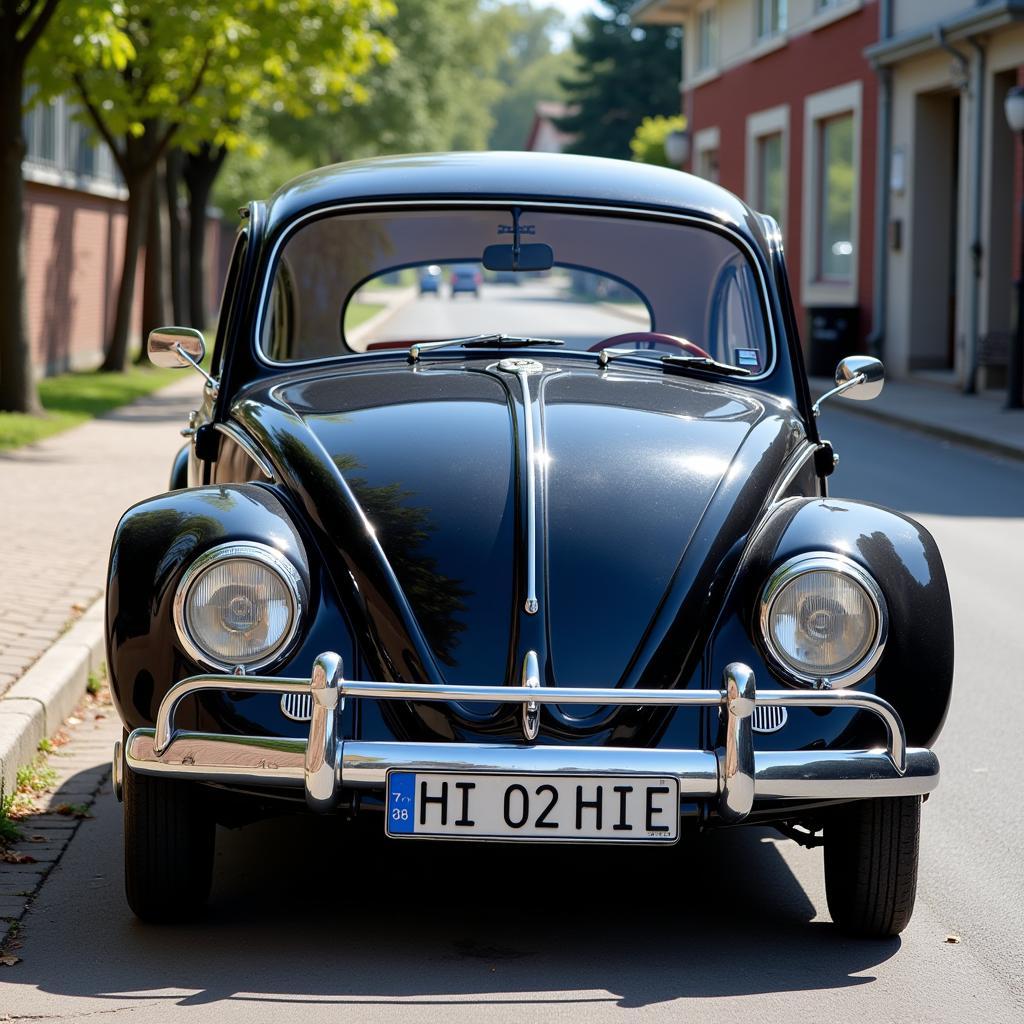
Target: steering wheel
637, 338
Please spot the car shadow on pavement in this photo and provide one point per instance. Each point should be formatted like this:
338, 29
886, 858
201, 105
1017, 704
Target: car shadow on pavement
307, 911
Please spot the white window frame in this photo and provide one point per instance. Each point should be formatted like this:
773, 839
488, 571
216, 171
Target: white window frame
702, 65
704, 141
822, 106
773, 121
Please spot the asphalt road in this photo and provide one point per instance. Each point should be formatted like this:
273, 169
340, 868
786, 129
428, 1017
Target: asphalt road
536, 308
308, 924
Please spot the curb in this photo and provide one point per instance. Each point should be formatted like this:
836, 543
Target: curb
37, 704
367, 327
984, 444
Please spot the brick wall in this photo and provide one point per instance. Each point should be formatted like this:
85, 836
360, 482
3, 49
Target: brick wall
810, 63
73, 251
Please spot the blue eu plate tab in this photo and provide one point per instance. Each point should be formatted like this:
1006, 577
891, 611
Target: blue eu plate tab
401, 817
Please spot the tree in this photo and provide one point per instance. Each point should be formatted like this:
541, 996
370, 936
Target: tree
648, 142
22, 23
528, 68
191, 71
625, 73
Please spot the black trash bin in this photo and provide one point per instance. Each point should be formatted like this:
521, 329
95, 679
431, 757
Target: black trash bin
834, 332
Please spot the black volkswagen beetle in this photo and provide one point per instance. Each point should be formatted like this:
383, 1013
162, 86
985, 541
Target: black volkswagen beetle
556, 566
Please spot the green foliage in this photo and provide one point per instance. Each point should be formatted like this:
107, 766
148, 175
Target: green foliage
72, 398
528, 68
9, 832
197, 69
36, 777
625, 73
648, 142
256, 172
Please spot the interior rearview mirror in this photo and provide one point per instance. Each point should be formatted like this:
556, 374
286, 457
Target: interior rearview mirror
176, 347
870, 370
535, 256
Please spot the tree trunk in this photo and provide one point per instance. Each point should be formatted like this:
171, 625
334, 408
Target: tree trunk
18, 391
200, 172
172, 181
138, 211
154, 282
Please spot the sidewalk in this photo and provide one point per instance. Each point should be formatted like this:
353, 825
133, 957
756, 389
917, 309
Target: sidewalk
61, 500
979, 421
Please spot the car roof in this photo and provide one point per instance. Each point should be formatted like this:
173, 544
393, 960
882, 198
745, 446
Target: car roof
497, 175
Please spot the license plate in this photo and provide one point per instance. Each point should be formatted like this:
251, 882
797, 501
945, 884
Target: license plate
533, 808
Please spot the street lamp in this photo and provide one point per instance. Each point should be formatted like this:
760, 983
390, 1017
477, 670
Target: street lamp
677, 148
1015, 385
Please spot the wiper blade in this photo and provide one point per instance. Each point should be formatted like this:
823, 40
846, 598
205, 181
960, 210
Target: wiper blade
705, 363
479, 341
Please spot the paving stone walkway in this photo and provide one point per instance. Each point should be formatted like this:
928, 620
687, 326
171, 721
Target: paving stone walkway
82, 766
59, 502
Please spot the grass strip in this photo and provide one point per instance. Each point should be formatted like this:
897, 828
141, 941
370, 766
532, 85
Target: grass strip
71, 399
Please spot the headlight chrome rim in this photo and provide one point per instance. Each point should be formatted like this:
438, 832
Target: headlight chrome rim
798, 566
254, 551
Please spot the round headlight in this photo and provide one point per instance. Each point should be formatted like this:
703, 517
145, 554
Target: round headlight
238, 604
823, 620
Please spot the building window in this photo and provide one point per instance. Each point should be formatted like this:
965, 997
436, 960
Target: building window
705, 153
767, 166
836, 182
770, 185
832, 203
707, 40
771, 17
57, 140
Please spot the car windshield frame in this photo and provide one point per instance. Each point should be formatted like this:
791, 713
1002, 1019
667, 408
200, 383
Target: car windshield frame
754, 257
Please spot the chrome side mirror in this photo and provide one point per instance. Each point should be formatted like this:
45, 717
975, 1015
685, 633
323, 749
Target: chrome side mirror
857, 377
175, 347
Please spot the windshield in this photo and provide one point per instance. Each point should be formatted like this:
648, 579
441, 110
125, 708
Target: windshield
352, 283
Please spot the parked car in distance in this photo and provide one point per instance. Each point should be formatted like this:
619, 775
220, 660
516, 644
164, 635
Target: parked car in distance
504, 586
430, 280
465, 277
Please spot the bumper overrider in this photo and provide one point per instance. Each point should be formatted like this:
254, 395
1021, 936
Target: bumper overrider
730, 777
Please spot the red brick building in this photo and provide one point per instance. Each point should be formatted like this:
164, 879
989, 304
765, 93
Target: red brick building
781, 109
75, 221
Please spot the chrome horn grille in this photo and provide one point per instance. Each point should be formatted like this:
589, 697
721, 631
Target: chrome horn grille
769, 718
297, 706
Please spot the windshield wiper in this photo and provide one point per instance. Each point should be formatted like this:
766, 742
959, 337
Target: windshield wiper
705, 363
478, 341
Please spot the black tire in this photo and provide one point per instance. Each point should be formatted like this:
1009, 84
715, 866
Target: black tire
168, 848
871, 852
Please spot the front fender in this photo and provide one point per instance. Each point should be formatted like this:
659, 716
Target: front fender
915, 672
155, 542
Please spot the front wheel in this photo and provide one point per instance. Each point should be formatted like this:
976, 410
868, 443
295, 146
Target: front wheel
168, 847
871, 853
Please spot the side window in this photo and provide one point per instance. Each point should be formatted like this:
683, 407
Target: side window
234, 268
734, 328
279, 327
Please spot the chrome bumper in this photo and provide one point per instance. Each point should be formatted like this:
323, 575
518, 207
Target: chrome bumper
732, 776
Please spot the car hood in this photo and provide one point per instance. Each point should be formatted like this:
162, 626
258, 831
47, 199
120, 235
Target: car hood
415, 480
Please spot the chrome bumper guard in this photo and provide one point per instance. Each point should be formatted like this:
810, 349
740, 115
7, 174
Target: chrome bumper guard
733, 775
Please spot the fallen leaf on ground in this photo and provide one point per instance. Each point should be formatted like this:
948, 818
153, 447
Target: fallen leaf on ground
953, 939
10, 857
72, 810
9, 961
